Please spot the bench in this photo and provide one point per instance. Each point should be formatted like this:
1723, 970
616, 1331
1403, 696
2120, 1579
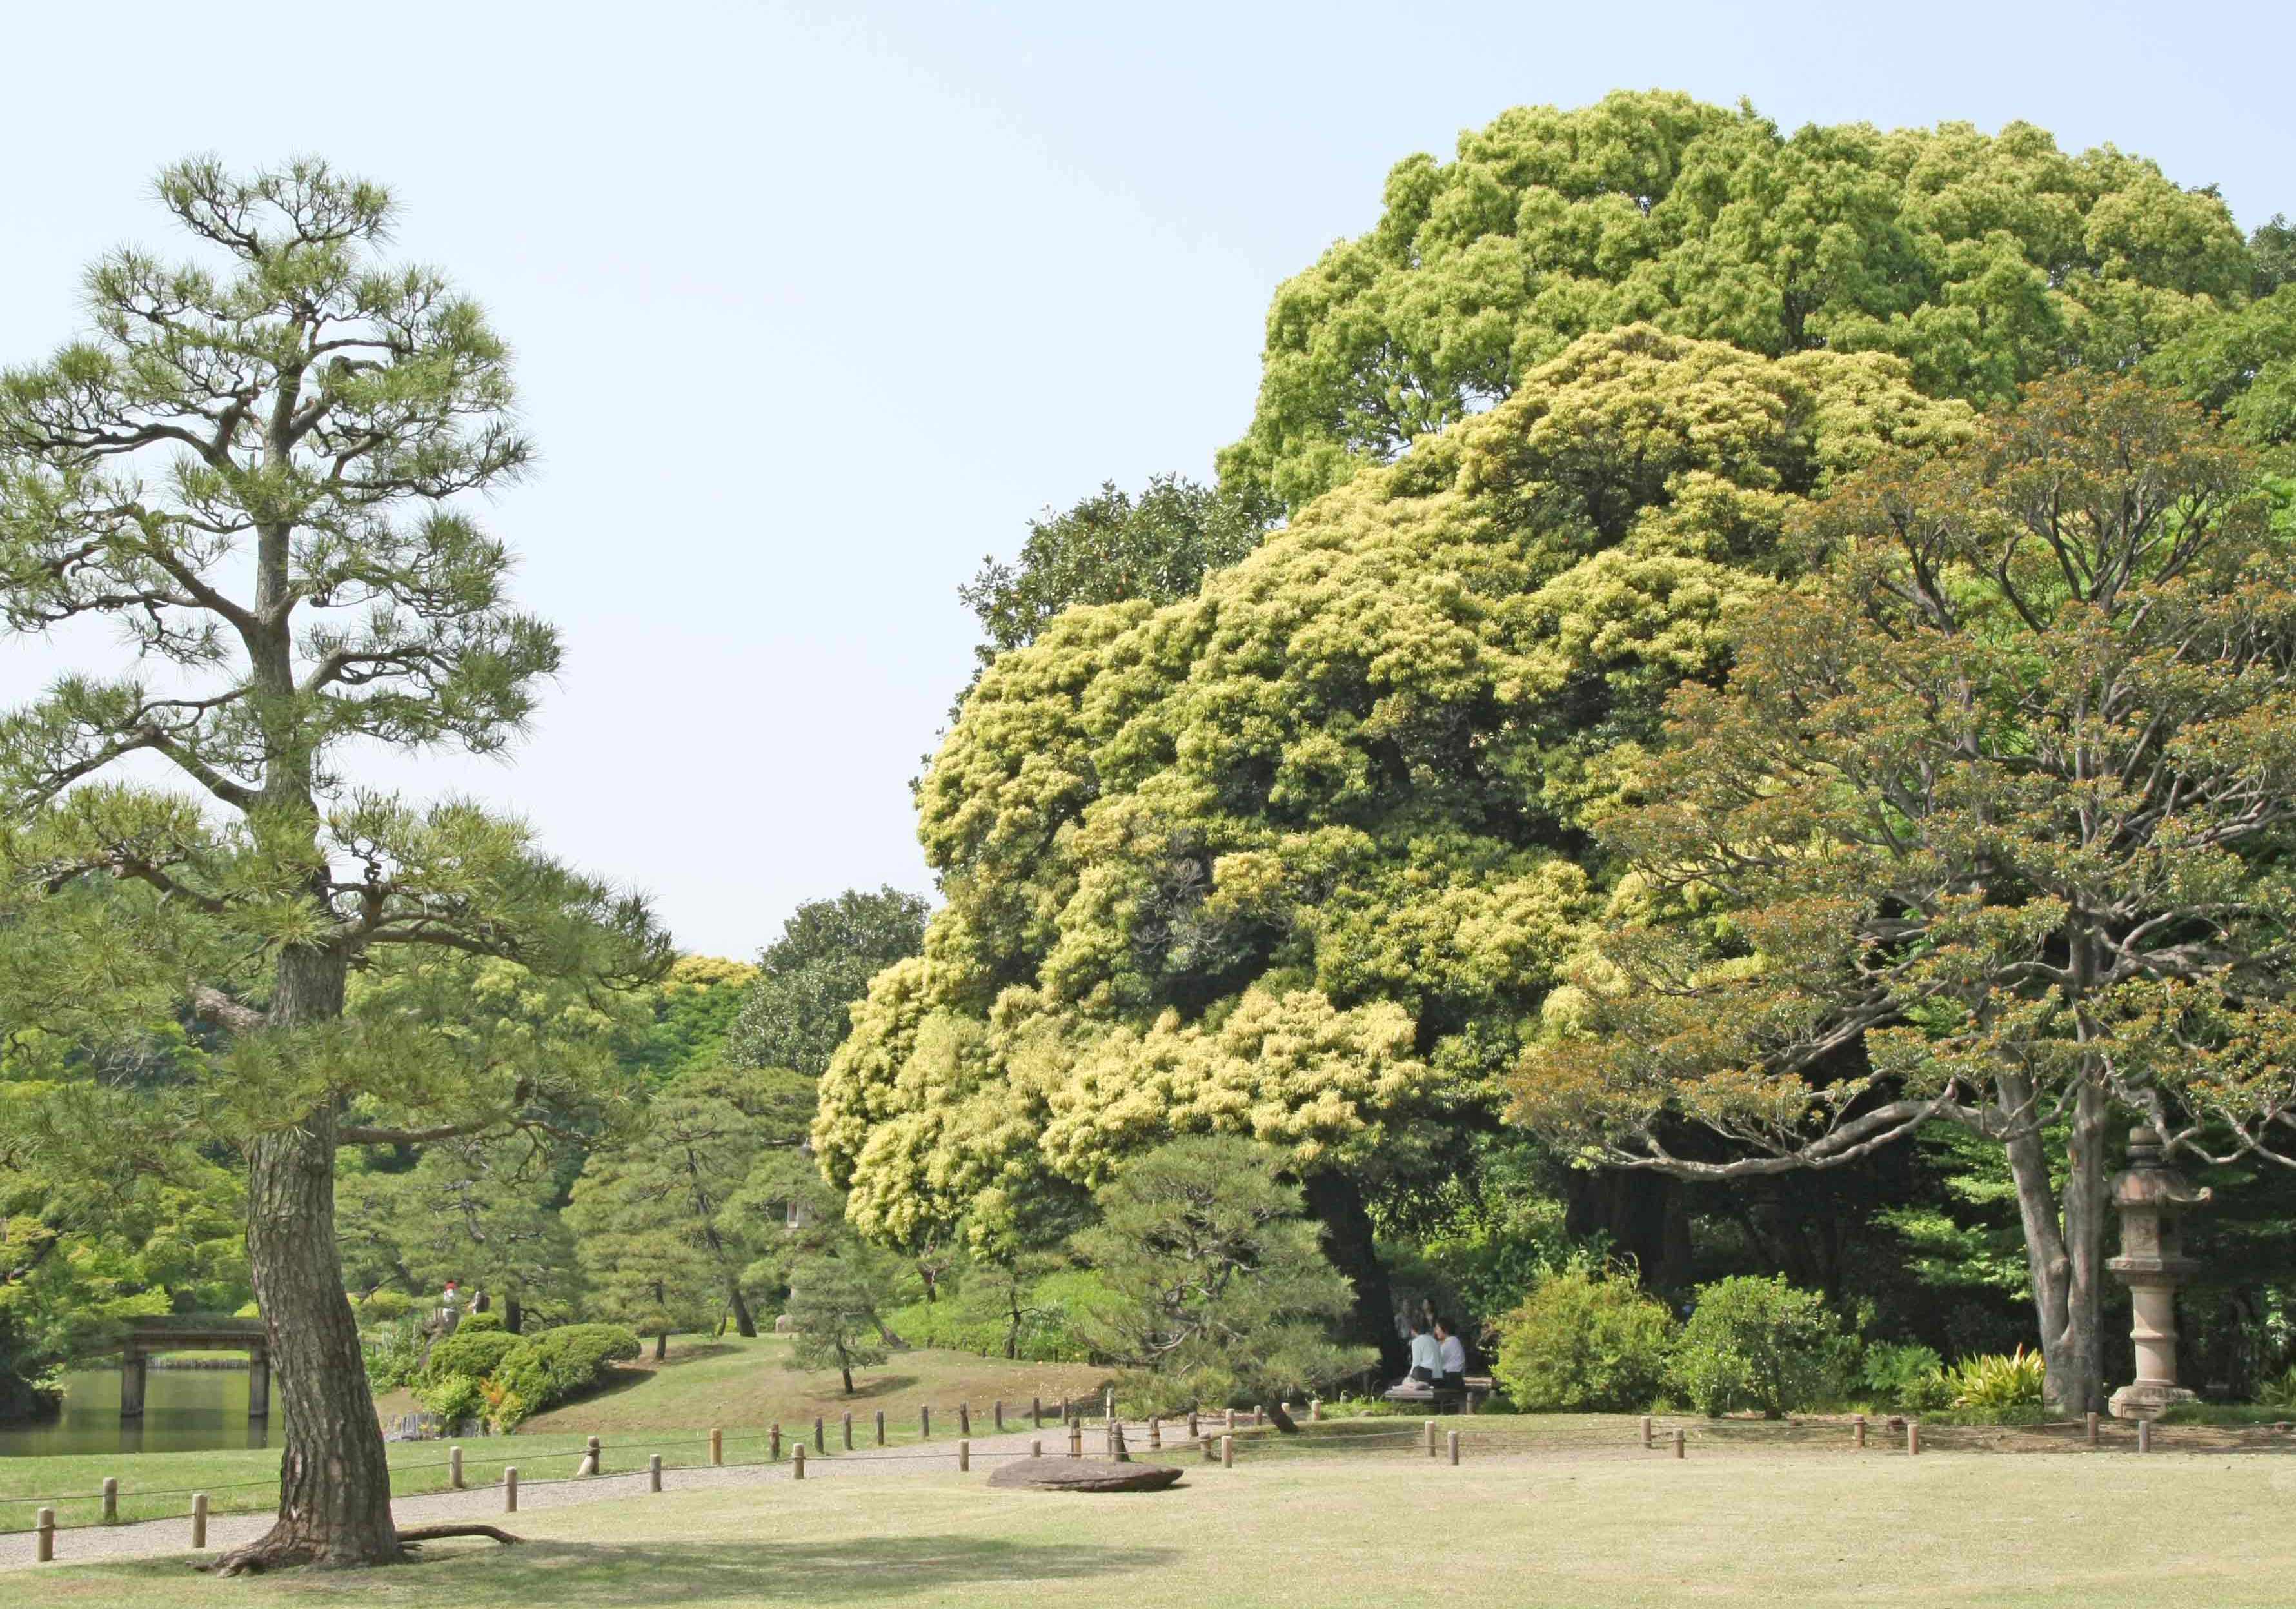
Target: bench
1477, 1389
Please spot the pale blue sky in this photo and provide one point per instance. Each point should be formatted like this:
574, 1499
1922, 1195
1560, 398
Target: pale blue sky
816, 304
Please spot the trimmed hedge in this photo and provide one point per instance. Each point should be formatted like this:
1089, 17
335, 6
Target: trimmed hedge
541, 1371
477, 1353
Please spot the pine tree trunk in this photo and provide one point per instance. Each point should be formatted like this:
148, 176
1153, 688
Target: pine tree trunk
513, 1314
744, 1322
334, 1482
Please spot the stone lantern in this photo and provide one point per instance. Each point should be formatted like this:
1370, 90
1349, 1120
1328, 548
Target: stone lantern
2149, 1196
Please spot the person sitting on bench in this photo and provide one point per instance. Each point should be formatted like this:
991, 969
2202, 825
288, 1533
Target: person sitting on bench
1426, 1355
1451, 1351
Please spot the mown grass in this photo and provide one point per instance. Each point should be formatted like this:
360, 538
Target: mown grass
739, 1386
1614, 1530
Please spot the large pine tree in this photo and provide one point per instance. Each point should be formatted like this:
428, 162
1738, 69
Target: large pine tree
251, 473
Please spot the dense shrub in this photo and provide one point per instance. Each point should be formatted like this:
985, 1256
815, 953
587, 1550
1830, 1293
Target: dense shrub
453, 1397
378, 1306
1586, 1339
476, 1353
542, 1370
396, 1356
479, 1323
1910, 1379
2279, 1391
1999, 1384
1755, 1343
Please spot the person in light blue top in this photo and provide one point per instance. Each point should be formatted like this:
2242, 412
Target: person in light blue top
1426, 1355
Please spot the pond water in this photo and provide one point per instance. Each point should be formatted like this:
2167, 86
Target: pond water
184, 1410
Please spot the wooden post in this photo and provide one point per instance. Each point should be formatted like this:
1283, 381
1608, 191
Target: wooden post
509, 1489
1108, 1403
1454, 1449
964, 1419
111, 1499
1035, 1413
880, 1427
1857, 1432
1155, 1431
199, 1519
716, 1447
594, 1461
1646, 1433
1432, 1428
797, 1462
653, 1471
1210, 1451
43, 1550
848, 1430
1677, 1441
1259, 1415
820, 1441
1228, 1427
924, 1425
963, 1456
1076, 1438
1193, 1432
2088, 1421
1000, 1416
2144, 1435
1315, 1410
1913, 1437
774, 1442
455, 1467
1036, 1449
1227, 1452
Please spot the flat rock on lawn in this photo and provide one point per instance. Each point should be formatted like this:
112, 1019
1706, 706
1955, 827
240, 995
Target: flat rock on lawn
1083, 1474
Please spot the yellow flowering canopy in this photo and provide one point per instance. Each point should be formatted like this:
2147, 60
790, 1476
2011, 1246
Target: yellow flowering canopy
1300, 858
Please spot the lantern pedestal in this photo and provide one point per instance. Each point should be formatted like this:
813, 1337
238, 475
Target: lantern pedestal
2149, 1196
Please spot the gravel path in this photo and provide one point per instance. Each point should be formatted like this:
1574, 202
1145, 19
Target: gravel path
160, 1539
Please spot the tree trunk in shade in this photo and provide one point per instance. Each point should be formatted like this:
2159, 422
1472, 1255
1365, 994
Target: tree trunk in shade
1338, 1204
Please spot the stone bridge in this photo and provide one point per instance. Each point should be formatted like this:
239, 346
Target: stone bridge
193, 1332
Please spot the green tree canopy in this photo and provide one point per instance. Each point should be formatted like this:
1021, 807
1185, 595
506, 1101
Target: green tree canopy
797, 1009
650, 1211
1991, 828
1218, 1287
1113, 547
1300, 856
1983, 260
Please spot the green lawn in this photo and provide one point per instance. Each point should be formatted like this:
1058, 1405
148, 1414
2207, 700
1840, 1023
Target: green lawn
737, 1385
1587, 1530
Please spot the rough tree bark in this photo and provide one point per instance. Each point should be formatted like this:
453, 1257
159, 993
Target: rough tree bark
334, 1480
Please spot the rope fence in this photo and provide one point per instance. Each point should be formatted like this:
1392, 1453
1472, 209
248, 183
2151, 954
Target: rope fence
1222, 1439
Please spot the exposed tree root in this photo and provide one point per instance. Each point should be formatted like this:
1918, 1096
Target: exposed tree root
289, 1554
436, 1533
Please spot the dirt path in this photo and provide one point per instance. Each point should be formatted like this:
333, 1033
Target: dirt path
160, 1539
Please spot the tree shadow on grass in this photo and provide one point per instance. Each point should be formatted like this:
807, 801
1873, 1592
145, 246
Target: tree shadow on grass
862, 1570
